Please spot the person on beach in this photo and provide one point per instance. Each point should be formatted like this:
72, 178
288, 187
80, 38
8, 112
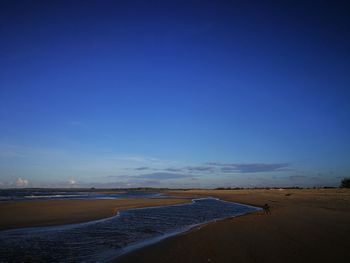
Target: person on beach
266, 208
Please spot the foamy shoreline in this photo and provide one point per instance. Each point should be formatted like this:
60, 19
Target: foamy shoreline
110, 238
302, 224
40, 213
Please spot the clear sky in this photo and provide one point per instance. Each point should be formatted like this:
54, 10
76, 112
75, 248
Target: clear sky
174, 94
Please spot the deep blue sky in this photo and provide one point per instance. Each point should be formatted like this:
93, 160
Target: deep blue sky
181, 94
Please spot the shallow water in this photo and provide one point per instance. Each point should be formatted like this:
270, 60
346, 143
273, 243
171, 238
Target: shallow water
101, 240
24, 194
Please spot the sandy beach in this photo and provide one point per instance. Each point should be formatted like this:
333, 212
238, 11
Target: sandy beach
58, 212
305, 226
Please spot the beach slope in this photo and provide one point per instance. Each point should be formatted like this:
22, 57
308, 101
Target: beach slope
15, 214
305, 226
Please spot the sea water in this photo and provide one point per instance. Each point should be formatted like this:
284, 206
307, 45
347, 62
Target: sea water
42, 194
102, 240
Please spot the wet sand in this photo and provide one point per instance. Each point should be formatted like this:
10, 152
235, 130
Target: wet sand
17, 214
305, 226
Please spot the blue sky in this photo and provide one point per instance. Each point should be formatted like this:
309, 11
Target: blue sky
181, 94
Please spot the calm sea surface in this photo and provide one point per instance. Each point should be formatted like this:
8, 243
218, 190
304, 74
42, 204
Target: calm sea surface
23, 194
102, 240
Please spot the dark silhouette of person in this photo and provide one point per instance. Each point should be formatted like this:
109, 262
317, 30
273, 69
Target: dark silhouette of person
266, 208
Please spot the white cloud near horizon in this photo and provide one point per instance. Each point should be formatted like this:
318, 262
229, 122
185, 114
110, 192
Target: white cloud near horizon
61, 167
20, 182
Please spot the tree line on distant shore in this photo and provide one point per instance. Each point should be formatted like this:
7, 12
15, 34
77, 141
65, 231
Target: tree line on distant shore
271, 188
345, 183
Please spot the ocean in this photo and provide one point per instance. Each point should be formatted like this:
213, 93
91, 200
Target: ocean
53, 194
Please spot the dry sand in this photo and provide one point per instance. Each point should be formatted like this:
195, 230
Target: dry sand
305, 226
58, 212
